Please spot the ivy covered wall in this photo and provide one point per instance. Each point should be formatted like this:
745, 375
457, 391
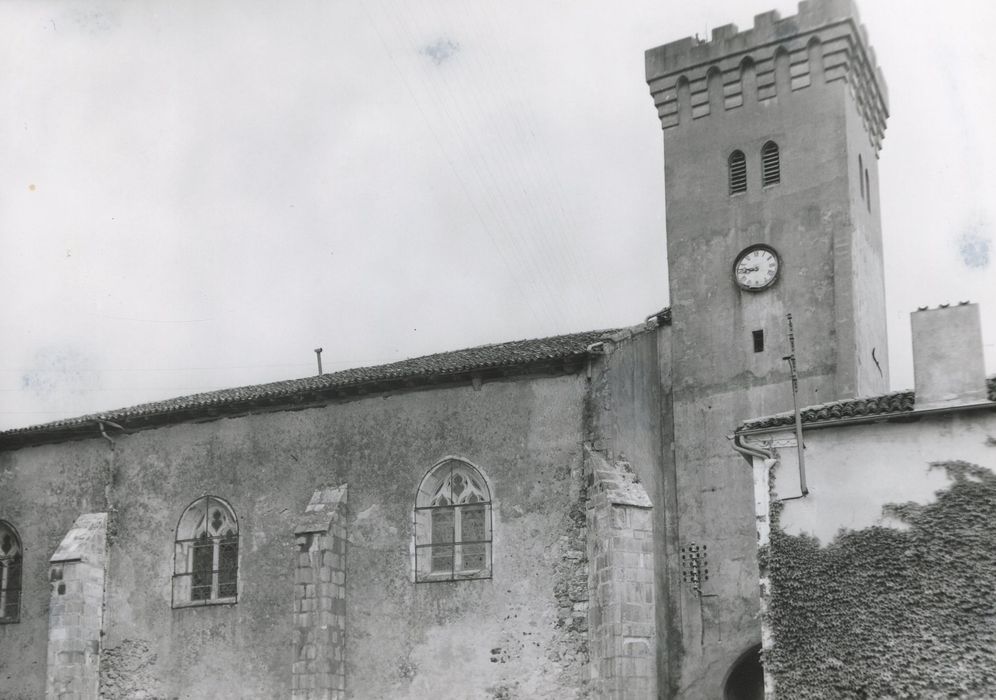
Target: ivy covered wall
890, 612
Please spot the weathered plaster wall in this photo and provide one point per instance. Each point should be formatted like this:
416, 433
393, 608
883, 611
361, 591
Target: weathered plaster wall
880, 582
854, 471
503, 637
41, 495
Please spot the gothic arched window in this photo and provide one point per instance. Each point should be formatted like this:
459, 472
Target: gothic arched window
452, 524
771, 172
738, 172
206, 558
10, 573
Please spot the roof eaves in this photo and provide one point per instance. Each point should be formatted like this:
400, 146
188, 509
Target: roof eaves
491, 361
872, 408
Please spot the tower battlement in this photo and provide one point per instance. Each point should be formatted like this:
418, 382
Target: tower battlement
824, 42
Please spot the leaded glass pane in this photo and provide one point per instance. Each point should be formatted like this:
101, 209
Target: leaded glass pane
202, 568
12, 604
472, 522
228, 557
442, 533
474, 558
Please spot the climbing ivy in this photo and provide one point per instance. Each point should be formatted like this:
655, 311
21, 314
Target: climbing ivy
890, 612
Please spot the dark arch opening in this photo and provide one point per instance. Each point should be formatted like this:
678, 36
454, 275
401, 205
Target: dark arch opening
746, 678
748, 79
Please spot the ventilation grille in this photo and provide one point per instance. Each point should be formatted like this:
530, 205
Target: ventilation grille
738, 173
770, 167
694, 565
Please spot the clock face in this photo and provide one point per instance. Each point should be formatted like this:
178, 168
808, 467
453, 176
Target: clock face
756, 268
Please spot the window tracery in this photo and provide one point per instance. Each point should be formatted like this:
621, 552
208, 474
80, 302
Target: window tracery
452, 524
206, 556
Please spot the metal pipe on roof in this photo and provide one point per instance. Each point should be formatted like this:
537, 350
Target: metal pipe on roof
590, 350
101, 423
749, 452
790, 358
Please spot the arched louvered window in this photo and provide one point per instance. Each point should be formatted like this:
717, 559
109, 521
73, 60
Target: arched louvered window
452, 524
206, 557
10, 573
738, 172
770, 166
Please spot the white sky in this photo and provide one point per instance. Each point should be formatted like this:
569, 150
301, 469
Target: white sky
195, 195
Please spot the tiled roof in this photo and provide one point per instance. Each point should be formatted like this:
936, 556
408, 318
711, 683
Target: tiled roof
520, 354
882, 406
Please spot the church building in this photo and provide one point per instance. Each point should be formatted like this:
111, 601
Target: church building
564, 517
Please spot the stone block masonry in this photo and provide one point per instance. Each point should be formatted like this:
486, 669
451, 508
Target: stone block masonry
319, 671
622, 622
76, 610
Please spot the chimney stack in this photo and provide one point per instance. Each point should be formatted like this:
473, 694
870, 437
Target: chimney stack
948, 366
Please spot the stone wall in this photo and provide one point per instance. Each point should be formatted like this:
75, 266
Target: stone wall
76, 610
319, 671
621, 581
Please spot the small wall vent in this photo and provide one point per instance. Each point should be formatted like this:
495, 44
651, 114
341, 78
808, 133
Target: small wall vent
694, 565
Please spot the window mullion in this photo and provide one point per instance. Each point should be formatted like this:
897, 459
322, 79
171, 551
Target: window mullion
457, 538
215, 566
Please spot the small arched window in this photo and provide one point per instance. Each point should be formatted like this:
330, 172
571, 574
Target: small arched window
738, 172
771, 173
206, 557
10, 573
452, 524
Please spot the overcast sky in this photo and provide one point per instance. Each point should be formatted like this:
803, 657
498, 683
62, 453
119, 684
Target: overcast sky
195, 195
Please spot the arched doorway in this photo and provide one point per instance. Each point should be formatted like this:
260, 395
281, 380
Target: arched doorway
746, 679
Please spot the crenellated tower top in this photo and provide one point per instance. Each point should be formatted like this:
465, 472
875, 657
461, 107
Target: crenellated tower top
824, 39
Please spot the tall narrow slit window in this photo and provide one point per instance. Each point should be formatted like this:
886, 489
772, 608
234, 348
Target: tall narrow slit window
861, 176
771, 170
868, 191
738, 172
452, 524
10, 574
206, 557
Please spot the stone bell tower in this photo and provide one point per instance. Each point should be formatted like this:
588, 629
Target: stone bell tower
771, 143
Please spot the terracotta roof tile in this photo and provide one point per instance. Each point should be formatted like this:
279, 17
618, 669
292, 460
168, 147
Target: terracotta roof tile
895, 403
419, 369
